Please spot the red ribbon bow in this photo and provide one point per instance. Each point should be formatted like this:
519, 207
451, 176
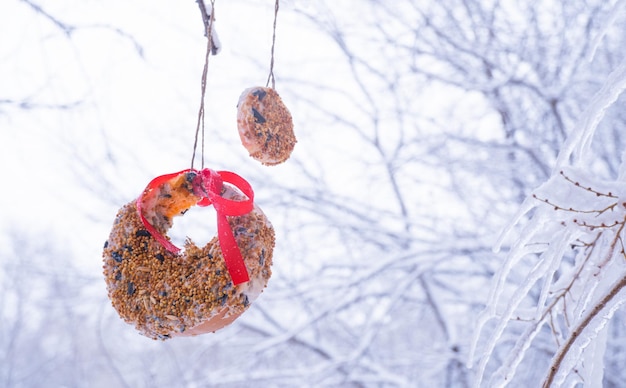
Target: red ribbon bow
207, 184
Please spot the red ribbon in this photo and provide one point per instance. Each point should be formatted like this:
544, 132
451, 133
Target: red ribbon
208, 184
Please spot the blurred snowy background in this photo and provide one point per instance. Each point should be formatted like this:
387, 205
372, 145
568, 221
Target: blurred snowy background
422, 126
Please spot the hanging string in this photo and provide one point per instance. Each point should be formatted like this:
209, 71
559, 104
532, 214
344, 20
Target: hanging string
207, 18
271, 75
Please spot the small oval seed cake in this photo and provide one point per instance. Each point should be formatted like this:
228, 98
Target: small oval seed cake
265, 125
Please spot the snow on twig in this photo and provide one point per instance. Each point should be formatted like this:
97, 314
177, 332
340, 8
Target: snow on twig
579, 140
585, 332
573, 211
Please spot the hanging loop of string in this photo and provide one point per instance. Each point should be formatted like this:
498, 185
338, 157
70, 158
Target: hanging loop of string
270, 77
208, 17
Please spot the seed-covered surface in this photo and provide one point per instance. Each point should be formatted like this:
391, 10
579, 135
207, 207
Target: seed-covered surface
265, 125
163, 294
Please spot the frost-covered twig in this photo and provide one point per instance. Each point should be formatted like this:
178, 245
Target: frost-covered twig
580, 139
509, 367
592, 215
573, 208
208, 18
576, 333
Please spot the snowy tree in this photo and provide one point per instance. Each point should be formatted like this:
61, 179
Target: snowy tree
574, 252
523, 73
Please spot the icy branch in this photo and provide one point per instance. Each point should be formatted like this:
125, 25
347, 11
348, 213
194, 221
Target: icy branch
586, 330
579, 140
